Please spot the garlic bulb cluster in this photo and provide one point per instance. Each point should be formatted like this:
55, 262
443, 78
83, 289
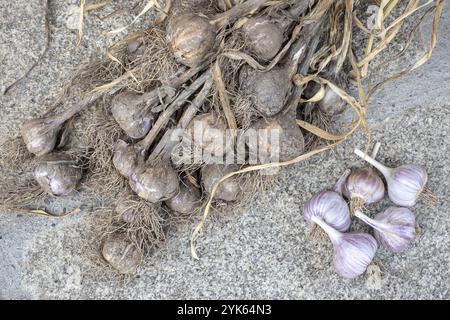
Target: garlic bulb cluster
353, 252
363, 186
405, 184
394, 228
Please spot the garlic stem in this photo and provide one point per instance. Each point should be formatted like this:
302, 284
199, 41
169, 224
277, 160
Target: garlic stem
369, 221
341, 181
222, 19
376, 149
146, 143
334, 235
382, 168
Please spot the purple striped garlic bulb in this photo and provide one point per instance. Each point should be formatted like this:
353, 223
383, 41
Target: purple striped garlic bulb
363, 186
394, 228
353, 252
330, 206
406, 184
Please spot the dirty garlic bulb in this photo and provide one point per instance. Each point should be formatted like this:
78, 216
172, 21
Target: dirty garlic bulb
331, 103
127, 158
287, 144
406, 184
155, 182
122, 254
330, 206
225, 5
40, 135
363, 186
192, 37
263, 37
228, 190
394, 228
57, 173
132, 114
187, 200
353, 252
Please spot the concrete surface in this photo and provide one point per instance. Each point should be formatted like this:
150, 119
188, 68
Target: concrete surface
260, 253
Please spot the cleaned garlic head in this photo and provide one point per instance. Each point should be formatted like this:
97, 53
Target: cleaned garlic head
353, 252
363, 186
394, 228
406, 184
330, 207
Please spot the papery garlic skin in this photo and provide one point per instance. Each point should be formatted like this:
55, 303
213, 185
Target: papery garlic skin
364, 184
406, 184
329, 206
353, 252
394, 228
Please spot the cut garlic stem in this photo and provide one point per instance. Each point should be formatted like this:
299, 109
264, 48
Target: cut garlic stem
371, 222
376, 149
382, 168
334, 235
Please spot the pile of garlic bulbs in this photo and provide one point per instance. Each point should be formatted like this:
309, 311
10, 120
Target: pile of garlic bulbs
394, 228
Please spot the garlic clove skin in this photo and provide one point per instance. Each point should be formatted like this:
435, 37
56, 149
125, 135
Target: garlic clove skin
394, 228
39, 136
364, 184
406, 183
353, 252
331, 208
57, 173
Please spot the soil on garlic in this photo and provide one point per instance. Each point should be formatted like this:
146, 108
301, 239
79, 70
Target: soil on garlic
267, 90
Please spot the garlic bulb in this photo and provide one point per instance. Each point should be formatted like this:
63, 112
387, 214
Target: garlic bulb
40, 135
155, 182
263, 37
57, 173
122, 254
363, 186
191, 38
187, 200
132, 114
353, 252
394, 228
330, 207
406, 184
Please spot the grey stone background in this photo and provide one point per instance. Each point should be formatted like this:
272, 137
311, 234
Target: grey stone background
261, 252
